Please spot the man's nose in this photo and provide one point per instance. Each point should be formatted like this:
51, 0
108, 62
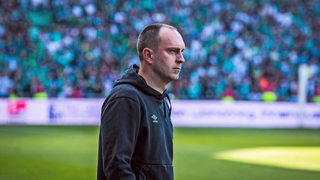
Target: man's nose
180, 58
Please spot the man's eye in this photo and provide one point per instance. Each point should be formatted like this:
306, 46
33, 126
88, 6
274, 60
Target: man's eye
172, 51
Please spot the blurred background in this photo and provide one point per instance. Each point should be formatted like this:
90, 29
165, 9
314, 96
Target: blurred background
251, 81
234, 49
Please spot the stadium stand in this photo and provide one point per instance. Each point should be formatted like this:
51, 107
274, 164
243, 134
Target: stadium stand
236, 50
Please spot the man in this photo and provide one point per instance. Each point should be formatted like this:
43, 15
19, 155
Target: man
136, 132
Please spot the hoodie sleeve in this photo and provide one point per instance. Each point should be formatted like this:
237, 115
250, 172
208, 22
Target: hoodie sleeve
119, 132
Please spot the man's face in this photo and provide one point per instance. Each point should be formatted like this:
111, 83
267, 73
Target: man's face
168, 57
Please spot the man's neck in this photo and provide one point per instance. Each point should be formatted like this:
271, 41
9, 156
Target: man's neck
152, 81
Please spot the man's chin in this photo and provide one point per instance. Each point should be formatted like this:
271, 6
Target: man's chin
173, 78
176, 78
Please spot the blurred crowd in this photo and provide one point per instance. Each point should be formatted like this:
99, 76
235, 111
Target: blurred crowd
235, 50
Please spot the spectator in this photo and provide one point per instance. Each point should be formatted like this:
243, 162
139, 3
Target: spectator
5, 84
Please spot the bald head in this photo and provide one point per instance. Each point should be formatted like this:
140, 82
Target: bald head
149, 37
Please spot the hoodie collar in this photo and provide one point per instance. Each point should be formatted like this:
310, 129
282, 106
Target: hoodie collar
132, 77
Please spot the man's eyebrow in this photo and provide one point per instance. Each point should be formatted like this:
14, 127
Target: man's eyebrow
174, 48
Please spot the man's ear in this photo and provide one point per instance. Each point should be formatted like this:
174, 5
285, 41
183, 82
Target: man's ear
147, 54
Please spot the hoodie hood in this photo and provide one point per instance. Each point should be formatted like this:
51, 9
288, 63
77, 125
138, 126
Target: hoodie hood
132, 77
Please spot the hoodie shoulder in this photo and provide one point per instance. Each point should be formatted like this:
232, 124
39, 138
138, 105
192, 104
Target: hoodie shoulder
125, 90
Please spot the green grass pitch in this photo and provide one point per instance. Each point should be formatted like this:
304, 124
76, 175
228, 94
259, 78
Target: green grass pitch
70, 152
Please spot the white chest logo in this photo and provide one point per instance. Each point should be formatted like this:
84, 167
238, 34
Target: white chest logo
154, 118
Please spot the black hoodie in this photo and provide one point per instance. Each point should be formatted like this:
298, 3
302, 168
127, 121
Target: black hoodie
136, 132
